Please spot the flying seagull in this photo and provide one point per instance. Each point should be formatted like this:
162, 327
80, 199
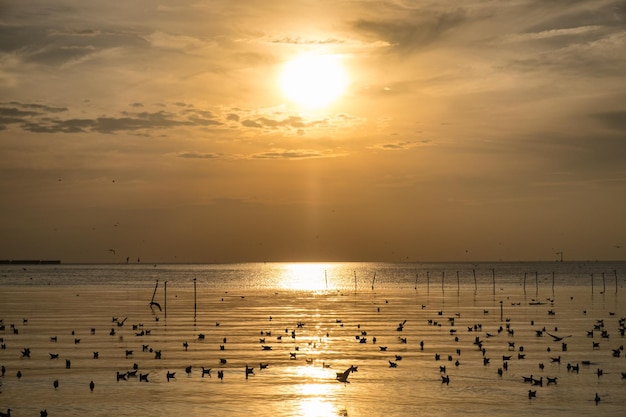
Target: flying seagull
152, 302
112, 250
557, 338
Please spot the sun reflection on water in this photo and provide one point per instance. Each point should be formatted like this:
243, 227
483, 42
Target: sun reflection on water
316, 393
316, 407
306, 276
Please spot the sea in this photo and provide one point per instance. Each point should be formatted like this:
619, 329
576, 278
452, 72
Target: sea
314, 339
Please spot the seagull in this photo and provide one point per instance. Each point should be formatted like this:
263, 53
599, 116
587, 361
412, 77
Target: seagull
112, 251
92, 386
401, 326
55, 384
343, 376
557, 338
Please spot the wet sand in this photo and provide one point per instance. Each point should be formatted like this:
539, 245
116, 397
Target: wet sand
327, 332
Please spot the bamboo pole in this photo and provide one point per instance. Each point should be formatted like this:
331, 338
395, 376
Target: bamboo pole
475, 283
443, 277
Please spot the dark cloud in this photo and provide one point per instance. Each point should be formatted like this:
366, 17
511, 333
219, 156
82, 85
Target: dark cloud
48, 46
567, 14
59, 126
251, 123
136, 121
615, 120
291, 122
39, 118
41, 107
201, 117
15, 112
417, 30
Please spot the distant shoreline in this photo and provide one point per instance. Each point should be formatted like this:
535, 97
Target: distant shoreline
30, 261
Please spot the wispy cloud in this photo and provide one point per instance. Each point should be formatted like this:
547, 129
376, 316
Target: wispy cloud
398, 146
198, 155
295, 154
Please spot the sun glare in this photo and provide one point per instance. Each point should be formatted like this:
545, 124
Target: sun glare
304, 276
314, 80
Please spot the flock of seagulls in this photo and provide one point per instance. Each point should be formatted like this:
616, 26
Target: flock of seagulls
483, 342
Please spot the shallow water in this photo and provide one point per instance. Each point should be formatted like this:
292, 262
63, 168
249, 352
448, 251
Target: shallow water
230, 304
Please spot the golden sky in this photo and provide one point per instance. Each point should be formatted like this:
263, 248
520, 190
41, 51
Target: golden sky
474, 130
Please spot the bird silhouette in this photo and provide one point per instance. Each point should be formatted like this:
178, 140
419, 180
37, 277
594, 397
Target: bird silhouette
557, 338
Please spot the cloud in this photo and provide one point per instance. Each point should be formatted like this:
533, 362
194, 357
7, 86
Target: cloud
198, 155
41, 44
41, 107
289, 154
397, 146
38, 118
615, 120
266, 122
251, 123
413, 29
339, 42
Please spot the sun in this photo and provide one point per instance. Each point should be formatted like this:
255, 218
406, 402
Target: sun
314, 80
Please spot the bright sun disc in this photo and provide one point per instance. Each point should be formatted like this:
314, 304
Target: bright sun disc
314, 80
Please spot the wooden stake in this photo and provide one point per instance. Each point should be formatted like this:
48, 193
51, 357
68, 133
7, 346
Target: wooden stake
475, 283
443, 277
